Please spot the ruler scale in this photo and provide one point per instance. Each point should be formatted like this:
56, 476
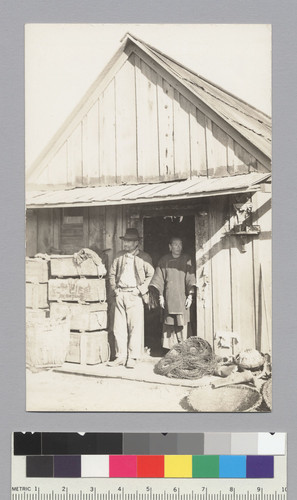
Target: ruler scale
80, 495
99, 466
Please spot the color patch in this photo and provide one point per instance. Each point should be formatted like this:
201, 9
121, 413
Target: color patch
244, 443
136, 444
271, 444
217, 443
67, 466
190, 444
39, 466
260, 466
178, 466
233, 466
163, 444
90, 443
123, 466
150, 466
27, 443
206, 466
95, 466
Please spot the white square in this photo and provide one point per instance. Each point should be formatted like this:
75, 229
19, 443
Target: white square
95, 466
272, 444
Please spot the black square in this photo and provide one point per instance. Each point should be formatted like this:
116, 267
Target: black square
27, 443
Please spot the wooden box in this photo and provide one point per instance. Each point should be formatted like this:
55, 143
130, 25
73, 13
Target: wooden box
65, 266
35, 314
88, 348
36, 270
47, 342
77, 290
36, 295
82, 316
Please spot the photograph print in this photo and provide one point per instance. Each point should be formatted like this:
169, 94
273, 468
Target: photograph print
148, 218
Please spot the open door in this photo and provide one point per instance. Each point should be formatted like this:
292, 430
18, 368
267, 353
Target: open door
157, 232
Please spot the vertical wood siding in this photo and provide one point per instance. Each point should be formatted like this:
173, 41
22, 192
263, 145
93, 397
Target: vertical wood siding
234, 287
141, 129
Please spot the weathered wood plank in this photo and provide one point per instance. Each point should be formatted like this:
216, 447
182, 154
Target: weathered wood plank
263, 271
44, 242
107, 156
91, 145
219, 148
57, 168
97, 227
243, 298
243, 161
74, 161
86, 226
197, 142
111, 238
203, 277
147, 122
165, 123
181, 113
220, 264
126, 168
31, 233
230, 156
56, 227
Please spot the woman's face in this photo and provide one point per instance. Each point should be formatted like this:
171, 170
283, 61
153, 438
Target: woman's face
176, 247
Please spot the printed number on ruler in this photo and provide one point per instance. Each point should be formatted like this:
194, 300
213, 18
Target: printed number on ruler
148, 493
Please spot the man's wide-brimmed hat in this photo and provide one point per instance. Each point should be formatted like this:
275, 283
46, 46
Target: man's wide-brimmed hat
131, 234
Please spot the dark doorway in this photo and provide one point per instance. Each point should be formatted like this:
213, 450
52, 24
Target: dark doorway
157, 232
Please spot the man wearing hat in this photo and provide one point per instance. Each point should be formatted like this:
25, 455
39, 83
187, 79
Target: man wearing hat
130, 275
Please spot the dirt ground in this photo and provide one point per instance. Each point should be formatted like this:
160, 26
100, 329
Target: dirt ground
53, 391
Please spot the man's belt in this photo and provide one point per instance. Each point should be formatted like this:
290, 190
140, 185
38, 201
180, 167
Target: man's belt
128, 289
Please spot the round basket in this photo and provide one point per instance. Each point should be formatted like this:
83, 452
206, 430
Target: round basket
231, 398
267, 393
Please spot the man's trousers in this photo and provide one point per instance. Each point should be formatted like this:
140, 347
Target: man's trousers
128, 325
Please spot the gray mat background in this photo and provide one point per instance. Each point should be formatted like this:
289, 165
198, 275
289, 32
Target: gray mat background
13, 15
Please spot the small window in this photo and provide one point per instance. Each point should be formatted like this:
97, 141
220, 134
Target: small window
73, 215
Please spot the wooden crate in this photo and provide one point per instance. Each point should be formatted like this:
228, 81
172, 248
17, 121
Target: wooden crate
36, 295
47, 342
65, 266
35, 314
88, 348
82, 316
36, 270
77, 290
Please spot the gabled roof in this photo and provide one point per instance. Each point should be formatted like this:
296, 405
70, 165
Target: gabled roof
250, 122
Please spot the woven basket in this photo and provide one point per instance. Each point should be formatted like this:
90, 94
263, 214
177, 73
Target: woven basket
267, 393
47, 342
231, 398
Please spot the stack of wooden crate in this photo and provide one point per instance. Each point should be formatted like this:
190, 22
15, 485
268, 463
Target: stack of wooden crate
37, 275
77, 292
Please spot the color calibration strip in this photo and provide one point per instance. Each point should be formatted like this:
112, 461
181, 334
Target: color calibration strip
71, 443
116, 455
150, 466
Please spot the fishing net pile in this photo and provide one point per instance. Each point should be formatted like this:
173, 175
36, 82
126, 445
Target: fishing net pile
192, 358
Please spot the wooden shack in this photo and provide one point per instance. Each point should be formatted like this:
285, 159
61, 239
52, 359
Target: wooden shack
155, 146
